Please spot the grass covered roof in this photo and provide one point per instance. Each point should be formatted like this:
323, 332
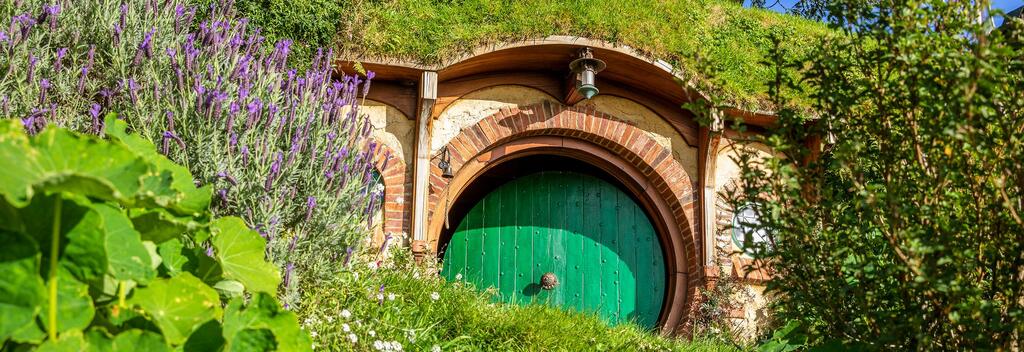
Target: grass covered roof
721, 46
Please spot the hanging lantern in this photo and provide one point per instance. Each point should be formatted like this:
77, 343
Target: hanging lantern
586, 68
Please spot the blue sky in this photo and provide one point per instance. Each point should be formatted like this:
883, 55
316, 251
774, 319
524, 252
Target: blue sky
1005, 5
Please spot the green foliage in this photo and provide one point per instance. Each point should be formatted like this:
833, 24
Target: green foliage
904, 233
692, 35
85, 278
382, 303
285, 151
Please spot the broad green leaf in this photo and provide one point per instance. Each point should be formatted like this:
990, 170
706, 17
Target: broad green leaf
59, 160
229, 288
177, 258
263, 312
253, 340
159, 225
173, 186
128, 257
207, 337
74, 305
139, 340
80, 238
178, 305
22, 290
99, 340
240, 252
72, 341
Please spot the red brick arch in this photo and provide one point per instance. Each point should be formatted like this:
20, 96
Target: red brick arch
623, 150
397, 190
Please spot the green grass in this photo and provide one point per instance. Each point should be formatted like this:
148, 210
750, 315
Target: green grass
717, 44
461, 319
720, 44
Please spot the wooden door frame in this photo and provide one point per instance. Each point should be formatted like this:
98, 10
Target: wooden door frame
679, 294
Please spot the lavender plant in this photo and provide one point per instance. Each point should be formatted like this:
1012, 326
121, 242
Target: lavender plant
287, 152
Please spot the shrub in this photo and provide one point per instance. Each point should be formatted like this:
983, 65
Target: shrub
904, 233
287, 152
101, 251
396, 304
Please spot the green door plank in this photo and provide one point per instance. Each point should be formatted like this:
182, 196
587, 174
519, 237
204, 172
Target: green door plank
592, 250
626, 234
574, 243
507, 260
609, 249
591, 235
491, 239
524, 240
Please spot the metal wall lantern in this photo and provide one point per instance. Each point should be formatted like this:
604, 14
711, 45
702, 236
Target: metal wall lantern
586, 68
445, 164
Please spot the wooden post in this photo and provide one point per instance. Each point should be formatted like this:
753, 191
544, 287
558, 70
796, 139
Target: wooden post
421, 167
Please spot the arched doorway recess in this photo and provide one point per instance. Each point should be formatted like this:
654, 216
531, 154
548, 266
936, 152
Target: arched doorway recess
644, 168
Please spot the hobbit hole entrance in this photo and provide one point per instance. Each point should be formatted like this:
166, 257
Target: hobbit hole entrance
567, 222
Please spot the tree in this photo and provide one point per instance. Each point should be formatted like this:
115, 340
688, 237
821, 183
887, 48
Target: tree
907, 232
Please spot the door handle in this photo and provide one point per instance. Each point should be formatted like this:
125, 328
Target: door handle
548, 281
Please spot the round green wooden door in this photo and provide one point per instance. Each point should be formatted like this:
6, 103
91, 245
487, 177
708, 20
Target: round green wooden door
595, 239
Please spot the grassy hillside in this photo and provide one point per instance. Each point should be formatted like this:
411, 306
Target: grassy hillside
719, 44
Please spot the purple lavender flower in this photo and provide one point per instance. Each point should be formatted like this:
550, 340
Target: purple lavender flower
117, 34
291, 245
145, 48
59, 62
123, 20
94, 111
348, 256
6, 104
387, 242
167, 137
226, 176
310, 205
44, 85
81, 80
275, 167
133, 89
32, 61
288, 274
50, 12
380, 294
366, 87
223, 193
245, 155
90, 56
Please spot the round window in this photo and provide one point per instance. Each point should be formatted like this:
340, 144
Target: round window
747, 232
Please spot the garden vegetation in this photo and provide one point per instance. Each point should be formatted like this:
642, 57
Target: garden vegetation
902, 231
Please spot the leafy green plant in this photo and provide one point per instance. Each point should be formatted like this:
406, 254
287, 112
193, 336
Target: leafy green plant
387, 301
286, 151
901, 231
103, 248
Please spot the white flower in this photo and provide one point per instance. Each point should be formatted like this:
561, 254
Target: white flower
353, 338
372, 333
313, 333
395, 346
330, 319
380, 296
391, 296
436, 348
416, 275
378, 345
356, 275
372, 265
458, 276
346, 314
345, 328
435, 296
